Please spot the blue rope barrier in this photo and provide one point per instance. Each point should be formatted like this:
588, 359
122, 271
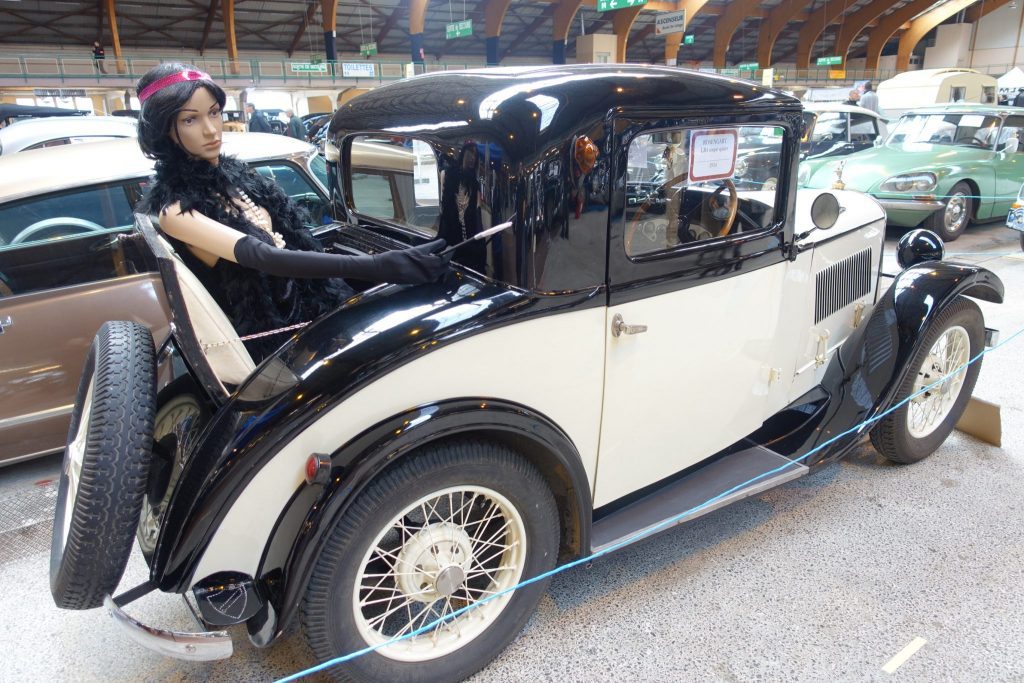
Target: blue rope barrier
646, 532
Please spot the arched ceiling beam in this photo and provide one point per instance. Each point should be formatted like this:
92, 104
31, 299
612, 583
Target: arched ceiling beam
417, 15
888, 25
735, 12
565, 11
227, 12
328, 14
922, 25
210, 15
977, 12
622, 23
814, 27
773, 24
857, 22
673, 40
494, 16
115, 37
310, 11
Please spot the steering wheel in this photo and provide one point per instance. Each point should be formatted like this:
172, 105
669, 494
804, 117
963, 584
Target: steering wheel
80, 225
726, 213
642, 209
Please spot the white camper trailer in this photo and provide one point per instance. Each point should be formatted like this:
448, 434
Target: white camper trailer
934, 86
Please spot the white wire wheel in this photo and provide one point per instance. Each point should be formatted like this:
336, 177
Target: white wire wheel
921, 425
455, 527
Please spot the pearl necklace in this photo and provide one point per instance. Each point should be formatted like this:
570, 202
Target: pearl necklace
260, 219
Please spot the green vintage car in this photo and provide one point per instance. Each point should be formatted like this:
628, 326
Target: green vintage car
941, 166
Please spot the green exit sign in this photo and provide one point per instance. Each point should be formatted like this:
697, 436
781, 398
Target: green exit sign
830, 61
749, 66
460, 29
688, 40
367, 49
608, 5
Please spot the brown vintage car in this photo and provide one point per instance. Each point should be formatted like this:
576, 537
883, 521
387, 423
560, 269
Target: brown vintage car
64, 269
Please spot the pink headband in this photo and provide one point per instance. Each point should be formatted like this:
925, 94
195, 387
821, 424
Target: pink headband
180, 77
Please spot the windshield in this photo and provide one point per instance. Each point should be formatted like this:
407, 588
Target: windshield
966, 130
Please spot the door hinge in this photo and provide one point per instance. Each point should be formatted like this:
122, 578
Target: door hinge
822, 354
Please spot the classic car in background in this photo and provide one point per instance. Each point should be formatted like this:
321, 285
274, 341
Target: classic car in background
35, 133
63, 270
399, 466
832, 130
941, 167
1015, 219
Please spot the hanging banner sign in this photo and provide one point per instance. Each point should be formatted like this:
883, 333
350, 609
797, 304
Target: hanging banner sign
839, 74
670, 22
688, 40
712, 154
749, 66
830, 61
358, 70
609, 5
460, 29
308, 67
62, 92
367, 49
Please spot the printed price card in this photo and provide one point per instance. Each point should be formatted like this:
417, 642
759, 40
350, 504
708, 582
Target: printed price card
712, 154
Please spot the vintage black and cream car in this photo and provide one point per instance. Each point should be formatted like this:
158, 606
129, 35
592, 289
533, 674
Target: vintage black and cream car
397, 468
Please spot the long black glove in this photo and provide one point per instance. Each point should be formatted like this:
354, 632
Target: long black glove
411, 266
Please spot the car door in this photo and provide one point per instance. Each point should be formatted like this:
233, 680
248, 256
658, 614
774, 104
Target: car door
1009, 165
63, 273
701, 371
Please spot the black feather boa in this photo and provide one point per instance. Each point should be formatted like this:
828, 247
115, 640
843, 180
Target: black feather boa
254, 301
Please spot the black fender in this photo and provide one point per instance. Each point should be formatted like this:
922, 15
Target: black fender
865, 375
313, 511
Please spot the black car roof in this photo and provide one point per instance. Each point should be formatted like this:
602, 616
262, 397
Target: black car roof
534, 104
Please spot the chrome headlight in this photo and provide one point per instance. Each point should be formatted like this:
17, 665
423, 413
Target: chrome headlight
919, 182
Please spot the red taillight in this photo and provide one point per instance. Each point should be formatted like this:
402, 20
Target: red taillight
318, 469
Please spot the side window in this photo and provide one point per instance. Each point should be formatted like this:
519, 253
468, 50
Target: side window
298, 187
1011, 137
396, 178
692, 185
862, 128
66, 215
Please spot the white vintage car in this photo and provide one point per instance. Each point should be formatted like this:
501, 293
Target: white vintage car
1015, 219
645, 342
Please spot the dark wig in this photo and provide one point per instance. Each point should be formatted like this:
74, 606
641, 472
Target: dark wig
160, 110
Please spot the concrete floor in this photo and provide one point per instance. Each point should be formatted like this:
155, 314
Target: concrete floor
824, 579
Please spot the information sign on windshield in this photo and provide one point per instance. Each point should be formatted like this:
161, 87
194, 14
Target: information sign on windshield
712, 154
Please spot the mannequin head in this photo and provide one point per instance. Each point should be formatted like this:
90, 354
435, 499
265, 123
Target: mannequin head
182, 119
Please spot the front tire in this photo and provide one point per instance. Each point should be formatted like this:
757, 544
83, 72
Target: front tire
443, 529
919, 427
951, 221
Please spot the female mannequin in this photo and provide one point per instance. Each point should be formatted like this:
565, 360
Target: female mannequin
236, 230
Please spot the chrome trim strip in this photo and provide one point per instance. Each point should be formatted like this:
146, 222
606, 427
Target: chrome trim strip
196, 647
911, 205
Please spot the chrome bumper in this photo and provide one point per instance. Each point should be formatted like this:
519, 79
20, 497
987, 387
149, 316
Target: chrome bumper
196, 647
922, 205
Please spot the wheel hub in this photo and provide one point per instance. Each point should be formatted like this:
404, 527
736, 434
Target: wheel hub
434, 562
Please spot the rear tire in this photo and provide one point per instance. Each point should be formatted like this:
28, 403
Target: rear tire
442, 529
106, 461
919, 427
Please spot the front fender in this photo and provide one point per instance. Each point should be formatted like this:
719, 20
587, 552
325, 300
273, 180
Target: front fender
313, 511
864, 377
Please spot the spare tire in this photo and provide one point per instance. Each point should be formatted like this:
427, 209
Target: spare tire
106, 463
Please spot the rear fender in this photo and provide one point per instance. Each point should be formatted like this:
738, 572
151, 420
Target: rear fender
313, 511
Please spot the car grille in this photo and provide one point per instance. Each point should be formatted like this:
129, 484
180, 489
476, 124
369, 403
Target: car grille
841, 284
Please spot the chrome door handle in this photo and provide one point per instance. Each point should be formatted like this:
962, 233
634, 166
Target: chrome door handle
5, 322
620, 327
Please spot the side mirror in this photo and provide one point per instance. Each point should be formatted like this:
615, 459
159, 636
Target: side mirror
825, 211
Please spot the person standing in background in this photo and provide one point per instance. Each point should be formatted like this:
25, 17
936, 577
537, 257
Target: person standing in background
869, 100
1018, 101
854, 98
257, 122
296, 128
98, 55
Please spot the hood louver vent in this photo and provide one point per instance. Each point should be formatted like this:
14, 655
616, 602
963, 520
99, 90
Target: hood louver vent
841, 284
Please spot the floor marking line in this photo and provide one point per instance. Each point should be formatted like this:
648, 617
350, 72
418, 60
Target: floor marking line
903, 655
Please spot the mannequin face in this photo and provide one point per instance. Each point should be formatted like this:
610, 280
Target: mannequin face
198, 126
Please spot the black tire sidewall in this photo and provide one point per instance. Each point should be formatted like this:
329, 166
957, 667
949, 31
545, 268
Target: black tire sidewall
964, 313
523, 487
89, 563
937, 220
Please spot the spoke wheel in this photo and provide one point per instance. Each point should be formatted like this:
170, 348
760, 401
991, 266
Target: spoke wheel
440, 530
915, 430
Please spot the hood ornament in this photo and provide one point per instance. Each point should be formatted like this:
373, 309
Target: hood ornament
838, 183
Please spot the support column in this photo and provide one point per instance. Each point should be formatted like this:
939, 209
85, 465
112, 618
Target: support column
494, 17
115, 37
417, 17
565, 12
329, 16
227, 11
622, 23
922, 25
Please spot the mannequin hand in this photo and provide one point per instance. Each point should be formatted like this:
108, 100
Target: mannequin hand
415, 265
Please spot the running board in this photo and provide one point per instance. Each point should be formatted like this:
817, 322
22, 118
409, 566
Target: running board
693, 490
